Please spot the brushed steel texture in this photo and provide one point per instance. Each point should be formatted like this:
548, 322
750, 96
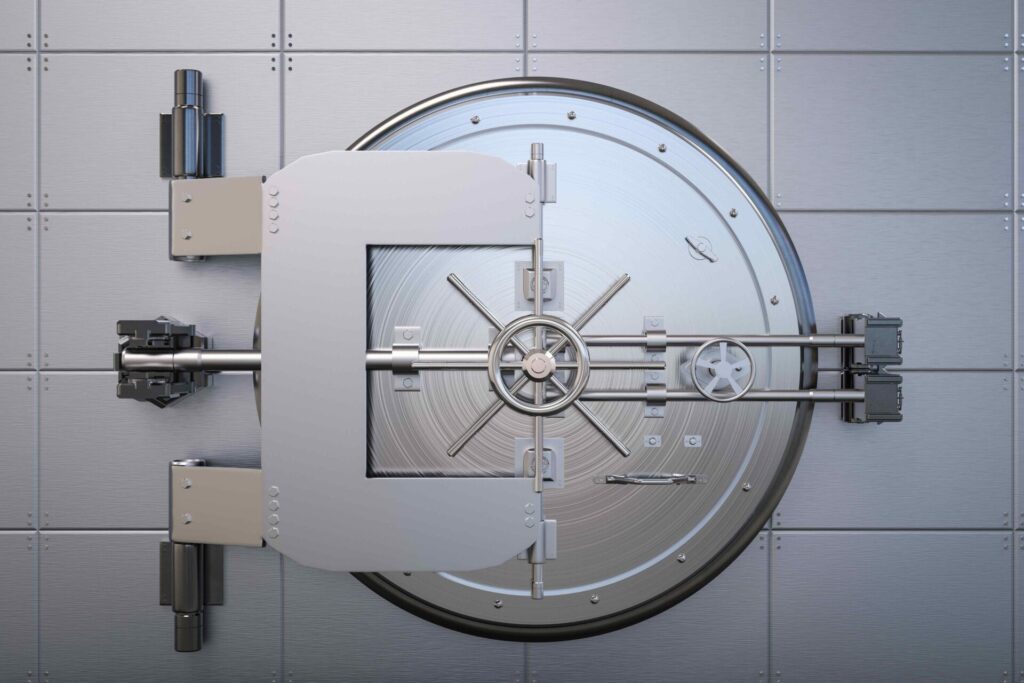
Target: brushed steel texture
100, 617
610, 25
18, 120
948, 276
903, 132
403, 25
18, 287
932, 472
18, 392
893, 25
113, 25
891, 606
606, 143
723, 95
719, 634
318, 421
85, 130
103, 461
18, 592
18, 25
100, 268
1018, 630
337, 630
322, 85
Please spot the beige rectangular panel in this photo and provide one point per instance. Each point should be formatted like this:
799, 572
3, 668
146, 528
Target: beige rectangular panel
19, 645
99, 268
18, 25
894, 25
331, 100
217, 216
725, 96
217, 505
18, 290
884, 131
112, 25
18, 123
403, 25
18, 418
648, 25
99, 154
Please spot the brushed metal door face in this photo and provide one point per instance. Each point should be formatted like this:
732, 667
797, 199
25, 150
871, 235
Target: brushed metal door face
726, 96
18, 25
18, 283
401, 25
17, 144
318, 87
891, 606
18, 645
114, 25
930, 472
18, 397
99, 613
893, 25
100, 268
948, 276
603, 224
655, 25
87, 131
719, 634
79, 417
337, 630
907, 131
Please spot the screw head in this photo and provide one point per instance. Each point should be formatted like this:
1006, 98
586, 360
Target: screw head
680, 558
407, 335
186, 518
529, 508
186, 483
594, 599
187, 198
498, 604
274, 491
530, 522
407, 382
274, 229
662, 147
274, 505
274, 533
733, 213
571, 115
475, 119
747, 486
775, 301
187, 235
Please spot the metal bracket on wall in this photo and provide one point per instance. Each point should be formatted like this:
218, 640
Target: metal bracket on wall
864, 369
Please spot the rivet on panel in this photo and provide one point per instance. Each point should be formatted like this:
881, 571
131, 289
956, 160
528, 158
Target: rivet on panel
662, 147
474, 119
571, 115
681, 558
498, 604
594, 599
274, 533
274, 491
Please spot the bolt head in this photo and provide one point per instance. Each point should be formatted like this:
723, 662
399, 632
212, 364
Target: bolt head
662, 148
274, 533
498, 604
594, 599
747, 486
474, 120
529, 508
274, 491
733, 213
187, 235
407, 382
187, 198
186, 483
273, 229
571, 115
680, 558
186, 518
775, 301
530, 522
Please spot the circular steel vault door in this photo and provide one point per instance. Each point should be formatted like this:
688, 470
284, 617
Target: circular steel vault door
640, 192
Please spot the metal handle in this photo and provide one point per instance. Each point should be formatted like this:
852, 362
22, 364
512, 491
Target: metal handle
658, 480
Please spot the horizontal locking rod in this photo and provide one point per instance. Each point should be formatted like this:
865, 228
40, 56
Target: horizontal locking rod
819, 395
190, 360
810, 341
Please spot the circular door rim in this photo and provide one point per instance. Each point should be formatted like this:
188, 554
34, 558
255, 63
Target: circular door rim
755, 523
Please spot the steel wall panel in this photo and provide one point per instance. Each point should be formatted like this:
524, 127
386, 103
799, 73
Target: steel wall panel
404, 25
893, 132
330, 100
911, 266
18, 391
18, 640
18, 121
97, 269
111, 25
891, 606
100, 617
929, 471
648, 24
336, 629
718, 634
1019, 608
103, 460
894, 25
98, 154
18, 283
726, 96
18, 25
1019, 455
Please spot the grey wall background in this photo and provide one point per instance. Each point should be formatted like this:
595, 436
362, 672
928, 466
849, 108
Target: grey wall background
886, 131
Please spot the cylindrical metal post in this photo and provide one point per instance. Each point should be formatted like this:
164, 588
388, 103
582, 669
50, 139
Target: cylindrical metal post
187, 124
187, 591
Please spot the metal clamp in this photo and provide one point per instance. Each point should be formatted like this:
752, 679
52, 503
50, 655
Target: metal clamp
864, 368
655, 381
153, 338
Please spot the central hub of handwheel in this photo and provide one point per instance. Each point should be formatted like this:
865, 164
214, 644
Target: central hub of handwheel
538, 364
